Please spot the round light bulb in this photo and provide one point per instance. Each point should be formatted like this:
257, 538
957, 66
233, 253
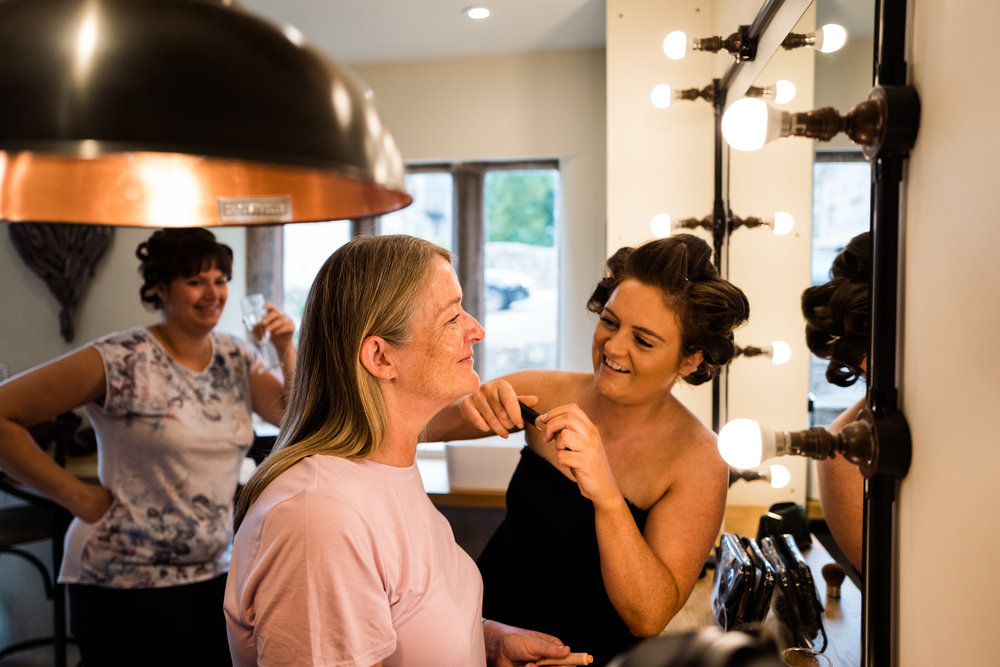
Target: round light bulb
749, 123
477, 13
830, 38
660, 225
781, 352
784, 91
675, 45
661, 96
780, 477
740, 444
783, 223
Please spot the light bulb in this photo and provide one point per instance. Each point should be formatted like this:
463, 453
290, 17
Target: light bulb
784, 91
660, 225
780, 477
749, 123
477, 13
675, 45
781, 352
783, 223
831, 37
661, 96
741, 444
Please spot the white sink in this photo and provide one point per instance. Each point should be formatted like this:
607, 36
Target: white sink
484, 464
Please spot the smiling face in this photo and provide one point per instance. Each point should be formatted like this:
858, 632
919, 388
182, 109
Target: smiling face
637, 344
437, 362
195, 302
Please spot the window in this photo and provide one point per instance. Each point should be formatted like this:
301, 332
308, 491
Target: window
504, 242
306, 247
499, 219
841, 211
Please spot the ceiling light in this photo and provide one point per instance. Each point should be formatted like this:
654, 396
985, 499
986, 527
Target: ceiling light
476, 13
181, 112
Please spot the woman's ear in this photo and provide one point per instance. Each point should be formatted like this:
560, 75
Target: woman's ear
160, 290
690, 363
374, 357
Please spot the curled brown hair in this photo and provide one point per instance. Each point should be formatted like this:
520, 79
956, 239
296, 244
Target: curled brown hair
170, 253
837, 316
708, 307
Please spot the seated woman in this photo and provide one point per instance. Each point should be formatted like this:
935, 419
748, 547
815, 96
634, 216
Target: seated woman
837, 314
619, 495
339, 556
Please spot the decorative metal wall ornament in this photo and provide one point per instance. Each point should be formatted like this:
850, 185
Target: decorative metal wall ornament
64, 255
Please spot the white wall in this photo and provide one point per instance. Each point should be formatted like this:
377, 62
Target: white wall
29, 324
516, 106
951, 319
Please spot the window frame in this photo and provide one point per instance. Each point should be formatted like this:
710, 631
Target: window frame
265, 244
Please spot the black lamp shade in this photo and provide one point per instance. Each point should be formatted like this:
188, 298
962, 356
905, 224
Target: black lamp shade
181, 112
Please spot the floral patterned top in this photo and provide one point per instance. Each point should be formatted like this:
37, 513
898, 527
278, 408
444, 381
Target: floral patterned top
170, 444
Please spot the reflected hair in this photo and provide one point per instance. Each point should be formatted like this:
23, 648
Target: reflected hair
837, 313
368, 287
708, 307
180, 252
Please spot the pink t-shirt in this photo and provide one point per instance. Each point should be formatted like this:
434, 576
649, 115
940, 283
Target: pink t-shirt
347, 562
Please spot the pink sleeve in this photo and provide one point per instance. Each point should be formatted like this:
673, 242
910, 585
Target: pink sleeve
320, 597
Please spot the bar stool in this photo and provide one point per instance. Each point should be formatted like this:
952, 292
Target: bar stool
40, 519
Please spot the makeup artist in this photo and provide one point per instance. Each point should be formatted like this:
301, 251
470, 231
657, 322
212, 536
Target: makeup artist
339, 556
619, 495
147, 554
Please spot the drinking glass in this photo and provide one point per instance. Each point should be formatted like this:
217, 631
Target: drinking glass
804, 657
253, 313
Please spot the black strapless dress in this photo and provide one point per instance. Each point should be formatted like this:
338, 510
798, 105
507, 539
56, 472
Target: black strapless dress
541, 568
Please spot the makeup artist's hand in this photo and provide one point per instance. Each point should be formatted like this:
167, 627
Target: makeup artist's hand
493, 407
507, 646
579, 450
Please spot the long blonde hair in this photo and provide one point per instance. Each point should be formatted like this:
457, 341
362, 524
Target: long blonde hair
367, 287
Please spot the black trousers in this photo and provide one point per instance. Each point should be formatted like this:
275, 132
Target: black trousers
179, 626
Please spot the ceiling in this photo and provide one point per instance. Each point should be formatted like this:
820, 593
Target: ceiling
366, 31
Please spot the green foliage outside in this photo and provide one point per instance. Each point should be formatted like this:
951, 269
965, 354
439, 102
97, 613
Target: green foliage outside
520, 206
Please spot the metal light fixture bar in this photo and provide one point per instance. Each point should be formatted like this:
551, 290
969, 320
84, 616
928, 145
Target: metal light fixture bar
708, 93
708, 223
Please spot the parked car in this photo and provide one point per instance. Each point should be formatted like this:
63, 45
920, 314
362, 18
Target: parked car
504, 287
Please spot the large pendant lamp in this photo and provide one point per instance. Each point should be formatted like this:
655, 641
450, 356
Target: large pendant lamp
178, 113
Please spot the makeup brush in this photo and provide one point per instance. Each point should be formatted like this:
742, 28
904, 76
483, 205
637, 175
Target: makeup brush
529, 416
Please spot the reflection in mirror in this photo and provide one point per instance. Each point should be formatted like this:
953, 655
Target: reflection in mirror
829, 183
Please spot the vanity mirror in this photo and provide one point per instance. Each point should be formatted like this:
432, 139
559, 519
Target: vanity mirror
886, 161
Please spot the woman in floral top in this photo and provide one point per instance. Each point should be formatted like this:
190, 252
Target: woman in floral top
147, 554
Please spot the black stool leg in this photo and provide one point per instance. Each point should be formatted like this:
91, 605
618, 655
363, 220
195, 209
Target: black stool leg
59, 590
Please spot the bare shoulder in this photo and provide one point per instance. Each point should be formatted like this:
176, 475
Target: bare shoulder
697, 444
553, 388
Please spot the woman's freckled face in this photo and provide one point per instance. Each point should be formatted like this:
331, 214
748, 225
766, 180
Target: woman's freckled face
438, 359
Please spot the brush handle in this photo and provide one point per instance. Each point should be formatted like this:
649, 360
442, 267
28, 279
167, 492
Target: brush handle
571, 659
529, 416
